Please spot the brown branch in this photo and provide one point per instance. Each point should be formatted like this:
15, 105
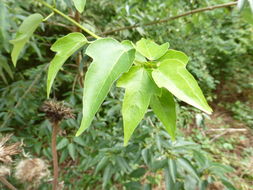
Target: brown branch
54, 153
7, 184
171, 18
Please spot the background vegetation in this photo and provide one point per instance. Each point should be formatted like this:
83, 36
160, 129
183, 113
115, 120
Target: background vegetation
219, 44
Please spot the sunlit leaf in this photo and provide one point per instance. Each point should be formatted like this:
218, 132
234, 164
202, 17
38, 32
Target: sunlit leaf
172, 75
79, 4
110, 60
64, 47
174, 54
24, 32
150, 49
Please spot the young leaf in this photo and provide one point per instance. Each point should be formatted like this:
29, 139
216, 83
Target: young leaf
25, 31
139, 89
165, 109
64, 47
150, 49
172, 75
79, 5
110, 60
174, 54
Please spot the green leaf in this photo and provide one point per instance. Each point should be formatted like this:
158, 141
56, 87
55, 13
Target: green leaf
4, 64
63, 143
139, 89
79, 141
64, 47
72, 151
25, 31
247, 15
138, 56
79, 5
110, 60
103, 162
174, 54
172, 169
107, 175
172, 75
150, 49
165, 109
186, 165
229, 185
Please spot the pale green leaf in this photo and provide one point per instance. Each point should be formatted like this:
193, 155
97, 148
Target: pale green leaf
25, 31
139, 89
138, 56
165, 109
172, 75
150, 49
174, 54
64, 47
79, 5
110, 60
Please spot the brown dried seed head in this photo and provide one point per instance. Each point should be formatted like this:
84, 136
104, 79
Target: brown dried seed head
56, 111
32, 171
6, 151
4, 171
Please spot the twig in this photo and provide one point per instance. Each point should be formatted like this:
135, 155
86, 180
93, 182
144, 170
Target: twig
7, 184
23, 96
229, 130
68, 18
218, 136
171, 18
224, 132
54, 153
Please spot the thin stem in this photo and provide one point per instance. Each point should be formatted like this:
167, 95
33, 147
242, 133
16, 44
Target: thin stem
69, 19
7, 184
51, 14
55, 156
171, 18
